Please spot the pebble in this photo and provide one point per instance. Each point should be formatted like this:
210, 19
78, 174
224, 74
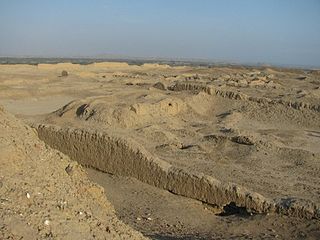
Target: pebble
139, 219
47, 222
28, 195
302, 234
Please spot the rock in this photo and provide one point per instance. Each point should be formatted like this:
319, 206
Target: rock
160, 85
242, 140
69, 169
47, 222
64, 73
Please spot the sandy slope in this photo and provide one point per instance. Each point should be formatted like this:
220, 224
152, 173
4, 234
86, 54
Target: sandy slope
45, 195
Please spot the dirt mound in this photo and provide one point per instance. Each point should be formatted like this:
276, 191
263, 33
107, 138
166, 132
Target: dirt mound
129, 114
45, 195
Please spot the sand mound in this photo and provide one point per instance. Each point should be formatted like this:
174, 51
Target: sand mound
46, 195
168, 106
105, 112
201, 103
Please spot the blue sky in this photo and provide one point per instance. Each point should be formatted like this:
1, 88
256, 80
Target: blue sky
245, 31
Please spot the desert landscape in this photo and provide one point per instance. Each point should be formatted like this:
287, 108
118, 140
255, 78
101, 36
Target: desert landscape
117, 150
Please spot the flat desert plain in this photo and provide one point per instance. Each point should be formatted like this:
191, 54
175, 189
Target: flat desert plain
182, 152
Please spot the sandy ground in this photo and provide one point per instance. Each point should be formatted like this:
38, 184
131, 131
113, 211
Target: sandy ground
160, 214
34, 106
257, 128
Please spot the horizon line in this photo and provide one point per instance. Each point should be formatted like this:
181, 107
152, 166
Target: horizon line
123, 58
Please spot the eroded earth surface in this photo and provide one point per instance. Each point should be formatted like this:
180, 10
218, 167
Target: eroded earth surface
232, 137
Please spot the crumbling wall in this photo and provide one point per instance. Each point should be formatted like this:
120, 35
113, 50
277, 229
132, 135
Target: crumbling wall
184, 86
124, 157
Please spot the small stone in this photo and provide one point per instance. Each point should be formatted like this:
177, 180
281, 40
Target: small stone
47, 222
139, 219
302, 234
69, 169
28, 195
64, 73
160, 85
149, 218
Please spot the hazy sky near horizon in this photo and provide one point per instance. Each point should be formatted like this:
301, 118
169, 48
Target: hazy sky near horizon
245, 31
